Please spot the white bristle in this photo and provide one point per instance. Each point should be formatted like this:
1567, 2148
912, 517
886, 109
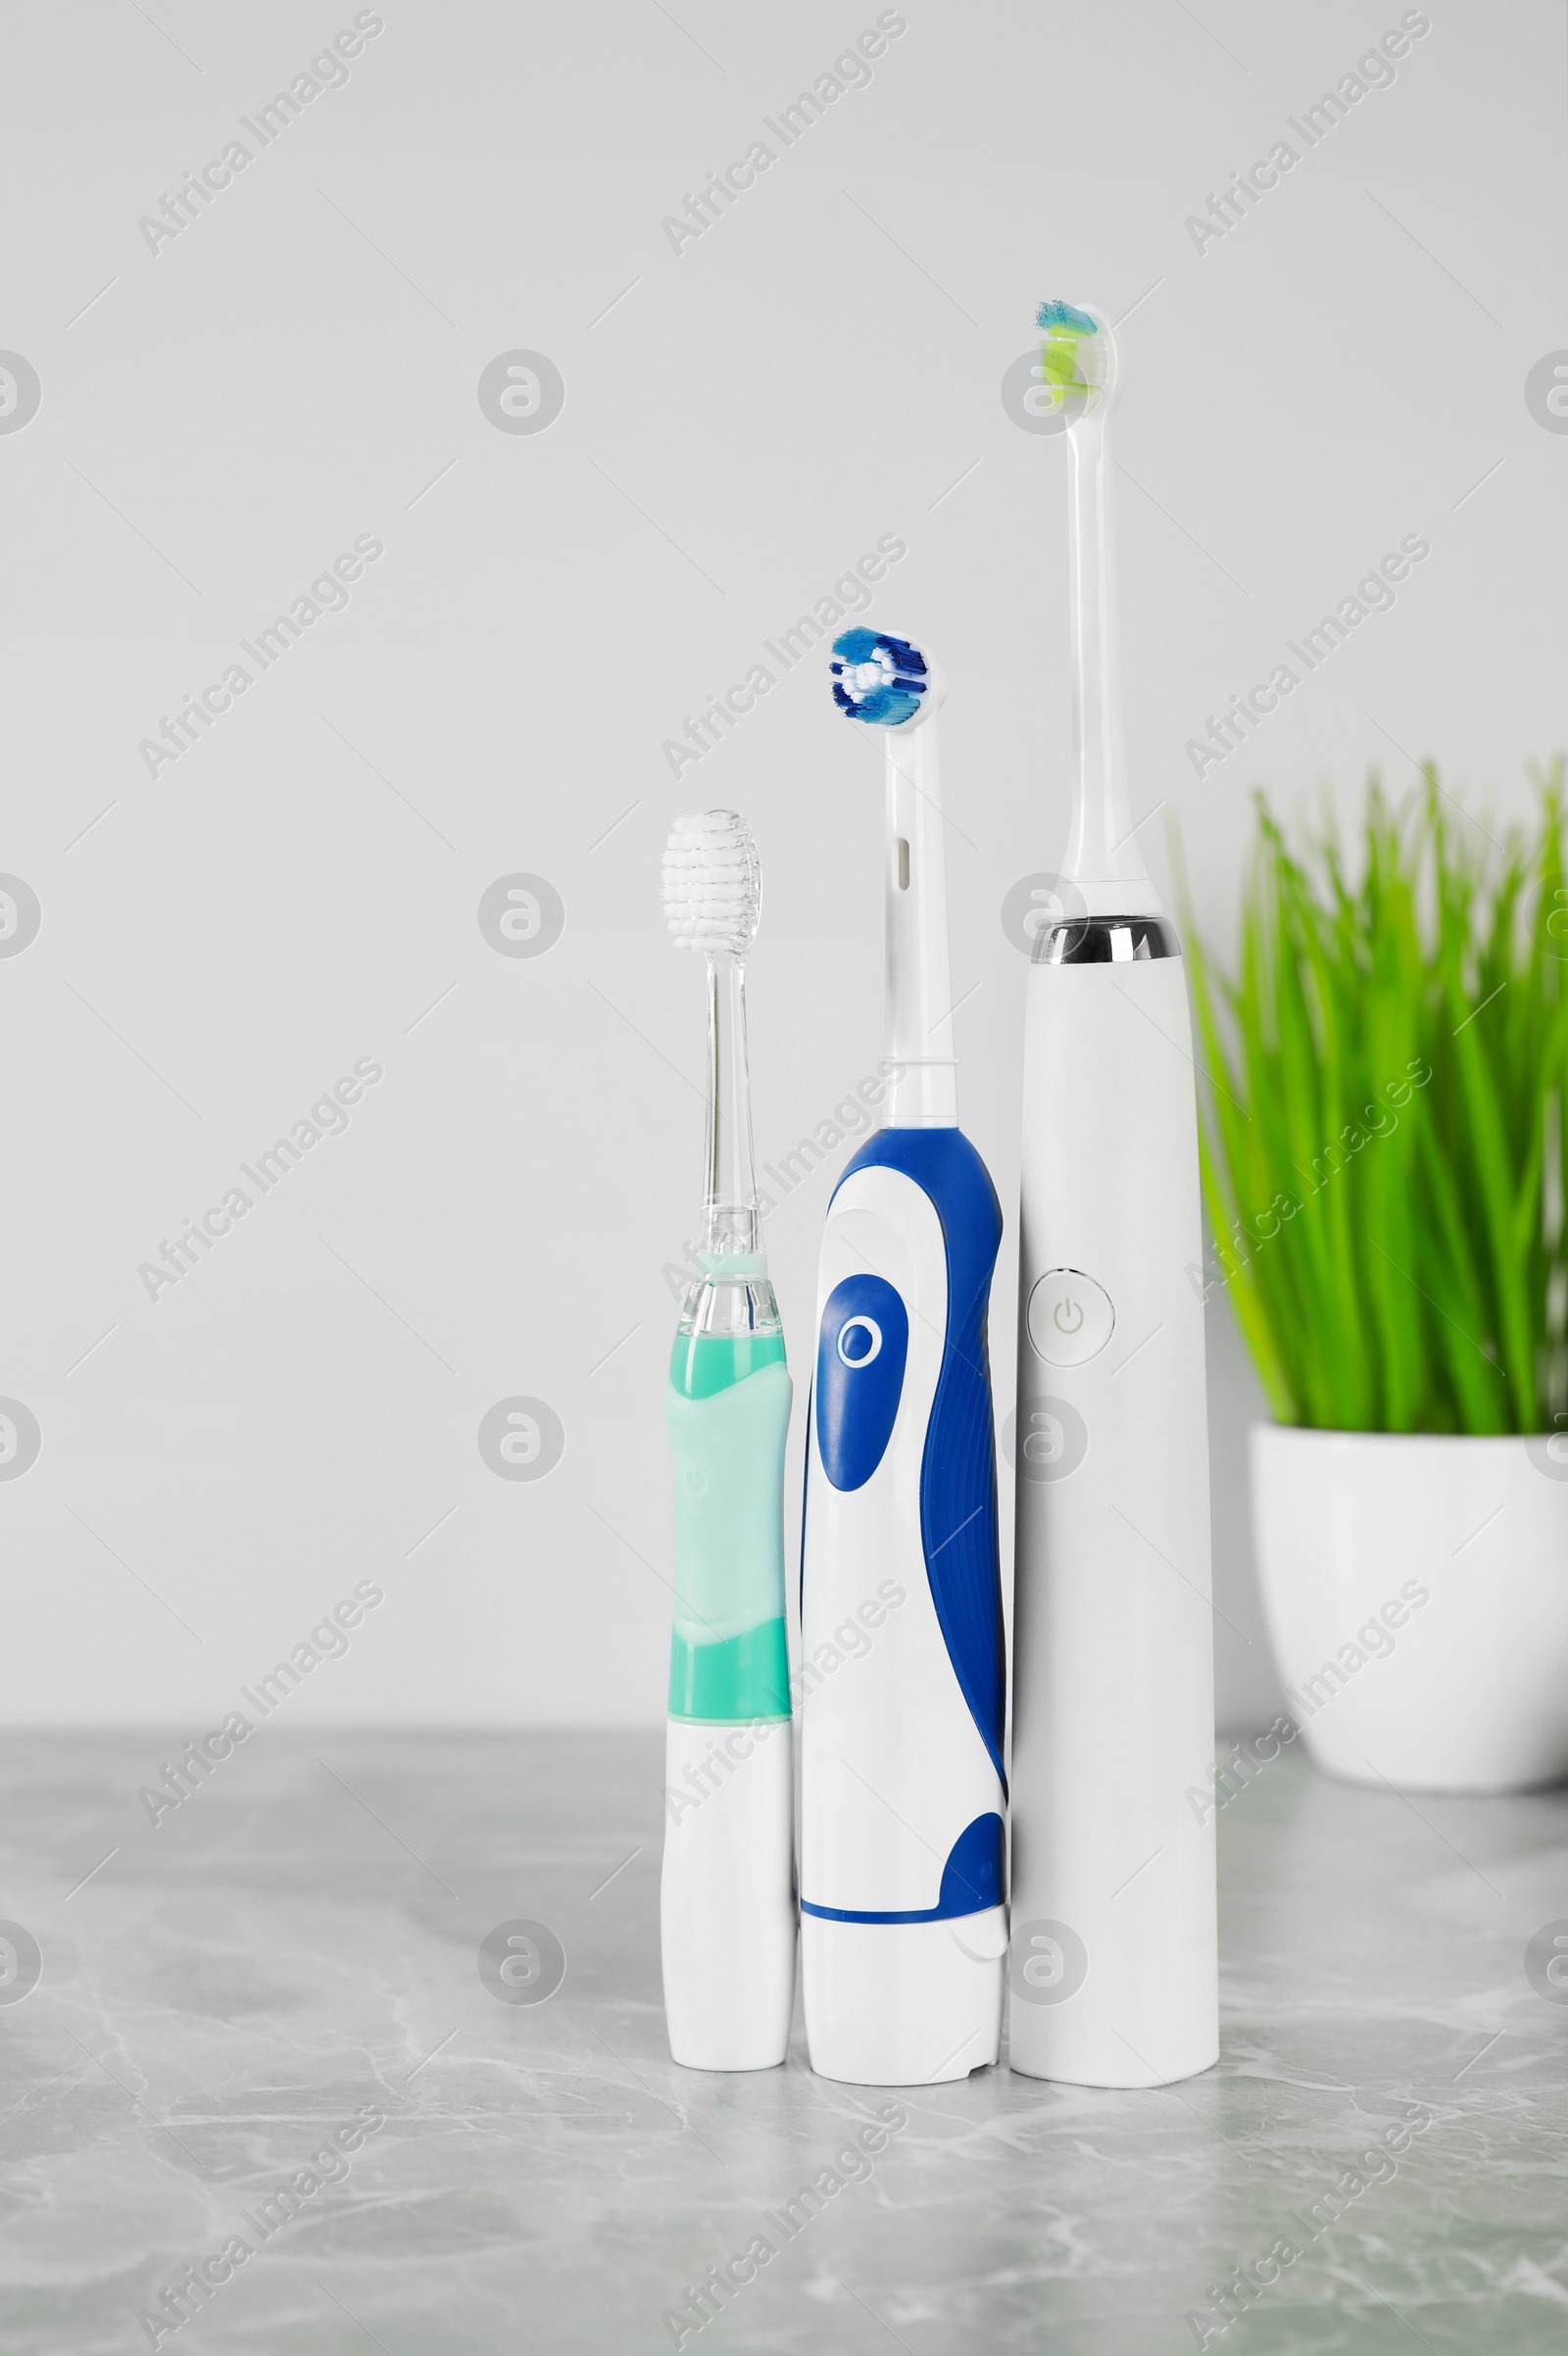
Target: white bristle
712, 882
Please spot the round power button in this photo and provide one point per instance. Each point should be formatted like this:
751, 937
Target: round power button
1070, 1317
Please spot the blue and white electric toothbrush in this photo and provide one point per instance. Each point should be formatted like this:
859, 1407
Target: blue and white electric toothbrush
728, 1892
1114, 1971
903, 1797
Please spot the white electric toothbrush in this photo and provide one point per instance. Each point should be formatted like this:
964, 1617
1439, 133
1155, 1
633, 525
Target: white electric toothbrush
903, 1674
1113, 1969
727, 1894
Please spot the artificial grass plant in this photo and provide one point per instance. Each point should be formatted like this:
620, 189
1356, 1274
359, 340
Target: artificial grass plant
1383, 1143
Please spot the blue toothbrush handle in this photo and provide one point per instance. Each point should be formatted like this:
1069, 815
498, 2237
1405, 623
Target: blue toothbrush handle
903, 1832
959, 1527
904, 1434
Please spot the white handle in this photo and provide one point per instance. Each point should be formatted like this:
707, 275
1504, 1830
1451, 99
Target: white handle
1114, 1970
727, 1894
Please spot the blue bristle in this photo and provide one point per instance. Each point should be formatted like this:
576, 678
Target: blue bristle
895, 694
855, 645
1062, 314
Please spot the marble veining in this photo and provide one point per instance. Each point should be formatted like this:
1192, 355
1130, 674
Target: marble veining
229, 1999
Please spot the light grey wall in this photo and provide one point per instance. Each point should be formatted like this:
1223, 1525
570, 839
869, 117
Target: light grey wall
227, 410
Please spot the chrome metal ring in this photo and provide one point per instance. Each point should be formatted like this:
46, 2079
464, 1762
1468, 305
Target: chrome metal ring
1106, 941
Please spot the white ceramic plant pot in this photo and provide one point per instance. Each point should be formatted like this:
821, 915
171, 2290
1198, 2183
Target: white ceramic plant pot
1416, 1593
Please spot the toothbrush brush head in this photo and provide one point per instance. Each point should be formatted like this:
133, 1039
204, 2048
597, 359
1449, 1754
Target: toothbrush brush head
879, 679
712, 883
1077, 357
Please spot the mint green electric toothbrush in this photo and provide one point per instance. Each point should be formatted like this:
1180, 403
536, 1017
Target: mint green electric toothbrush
727, 1897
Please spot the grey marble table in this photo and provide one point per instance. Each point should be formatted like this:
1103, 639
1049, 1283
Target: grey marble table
279, 1987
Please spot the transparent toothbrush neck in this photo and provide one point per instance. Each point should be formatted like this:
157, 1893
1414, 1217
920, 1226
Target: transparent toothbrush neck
733, 1294
729, 1196
1105, 859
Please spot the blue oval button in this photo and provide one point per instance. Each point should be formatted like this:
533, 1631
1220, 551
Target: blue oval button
860, 1355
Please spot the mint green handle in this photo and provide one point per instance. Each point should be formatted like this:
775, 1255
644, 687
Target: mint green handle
728, 1655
